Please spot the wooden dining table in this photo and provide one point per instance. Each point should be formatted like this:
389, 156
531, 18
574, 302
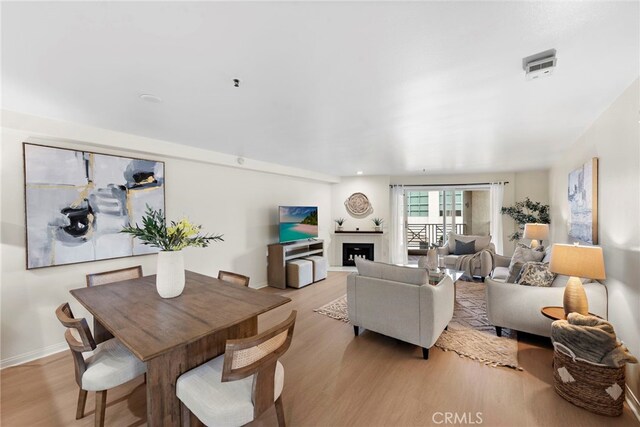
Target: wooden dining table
175, 335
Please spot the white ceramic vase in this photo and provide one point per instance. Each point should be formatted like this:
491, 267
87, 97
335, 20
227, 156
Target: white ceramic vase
432, 259
170, 274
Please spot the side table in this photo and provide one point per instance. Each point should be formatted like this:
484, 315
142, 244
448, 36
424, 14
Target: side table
556, 313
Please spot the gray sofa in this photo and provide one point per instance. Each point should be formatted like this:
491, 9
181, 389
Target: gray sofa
482, 266
517, 307
399, 302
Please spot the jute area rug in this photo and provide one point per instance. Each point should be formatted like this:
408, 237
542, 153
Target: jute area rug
469, 334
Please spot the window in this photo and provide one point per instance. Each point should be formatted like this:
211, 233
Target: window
418, 203
458, 203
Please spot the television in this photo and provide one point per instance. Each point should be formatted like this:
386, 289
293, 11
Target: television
298, 223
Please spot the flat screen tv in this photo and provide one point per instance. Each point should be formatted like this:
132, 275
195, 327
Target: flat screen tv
298, 223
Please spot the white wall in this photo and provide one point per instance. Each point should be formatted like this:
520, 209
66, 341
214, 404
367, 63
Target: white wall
615, 139
376, 188
241, 204
532, 184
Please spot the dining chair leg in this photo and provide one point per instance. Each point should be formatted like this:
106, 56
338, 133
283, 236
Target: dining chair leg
82, 401
280, 412
101, 406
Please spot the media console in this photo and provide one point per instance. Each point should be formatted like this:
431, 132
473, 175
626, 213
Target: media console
279, 253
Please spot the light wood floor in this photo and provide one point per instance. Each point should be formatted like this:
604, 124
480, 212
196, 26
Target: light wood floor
335, 379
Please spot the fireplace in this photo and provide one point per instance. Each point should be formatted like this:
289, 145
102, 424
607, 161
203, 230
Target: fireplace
351, 251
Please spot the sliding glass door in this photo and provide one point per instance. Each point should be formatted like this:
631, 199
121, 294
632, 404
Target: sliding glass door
432, 212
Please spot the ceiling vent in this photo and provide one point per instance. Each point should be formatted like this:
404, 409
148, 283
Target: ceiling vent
540, 65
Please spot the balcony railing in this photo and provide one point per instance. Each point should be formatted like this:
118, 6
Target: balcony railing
421, 236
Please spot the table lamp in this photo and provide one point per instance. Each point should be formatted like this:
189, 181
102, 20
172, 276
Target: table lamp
536, 232
577, 261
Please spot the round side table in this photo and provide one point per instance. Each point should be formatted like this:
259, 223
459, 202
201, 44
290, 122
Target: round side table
556, 313
553, 312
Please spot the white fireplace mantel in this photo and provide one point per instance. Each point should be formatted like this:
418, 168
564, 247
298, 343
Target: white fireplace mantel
379, 240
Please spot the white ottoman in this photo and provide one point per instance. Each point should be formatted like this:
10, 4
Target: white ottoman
299, 273
319, 267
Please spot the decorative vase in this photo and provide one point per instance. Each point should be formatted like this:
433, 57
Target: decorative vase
432, 259
378, 228
339, 228
575, 298
170, 274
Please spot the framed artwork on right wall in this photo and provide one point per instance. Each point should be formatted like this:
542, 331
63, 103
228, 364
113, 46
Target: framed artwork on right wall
583, 202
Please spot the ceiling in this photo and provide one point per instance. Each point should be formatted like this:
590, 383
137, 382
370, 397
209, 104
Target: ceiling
386, 88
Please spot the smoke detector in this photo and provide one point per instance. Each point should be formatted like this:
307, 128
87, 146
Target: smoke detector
540, 65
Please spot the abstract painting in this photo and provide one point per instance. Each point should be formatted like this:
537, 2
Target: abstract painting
583, 202
76, 203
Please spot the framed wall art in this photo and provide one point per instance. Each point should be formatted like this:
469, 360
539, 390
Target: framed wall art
583, 202
76, 203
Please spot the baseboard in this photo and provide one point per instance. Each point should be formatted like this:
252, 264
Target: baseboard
33, 355
632, 401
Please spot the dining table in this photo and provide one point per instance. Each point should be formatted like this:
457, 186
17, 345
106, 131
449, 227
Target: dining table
177, 334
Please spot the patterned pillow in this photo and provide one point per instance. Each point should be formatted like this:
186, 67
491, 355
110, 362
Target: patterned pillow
536, 274
521, 255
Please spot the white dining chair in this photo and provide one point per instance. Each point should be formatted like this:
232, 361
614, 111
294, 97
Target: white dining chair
110, 365
237, 387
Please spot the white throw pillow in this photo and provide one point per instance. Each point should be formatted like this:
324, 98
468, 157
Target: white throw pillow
522, 255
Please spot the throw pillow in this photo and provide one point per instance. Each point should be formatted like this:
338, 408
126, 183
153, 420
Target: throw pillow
537, 248
521, 255
514, 273
465, 248
482, 242
536, 274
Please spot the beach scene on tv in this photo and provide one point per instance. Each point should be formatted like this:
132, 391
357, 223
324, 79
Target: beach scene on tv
298, 223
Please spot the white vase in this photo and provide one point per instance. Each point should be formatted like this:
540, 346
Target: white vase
170, 274
432, 259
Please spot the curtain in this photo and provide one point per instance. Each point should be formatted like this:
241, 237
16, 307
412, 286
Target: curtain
397, 233
496, 199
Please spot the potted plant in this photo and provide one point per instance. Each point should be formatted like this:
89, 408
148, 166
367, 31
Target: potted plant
170, 239
378, 223
524, 212
339, 222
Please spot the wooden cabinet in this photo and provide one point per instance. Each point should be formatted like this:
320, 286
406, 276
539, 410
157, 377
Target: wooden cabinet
280, 253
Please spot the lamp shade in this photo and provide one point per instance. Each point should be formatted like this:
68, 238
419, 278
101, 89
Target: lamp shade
534, 231
578, 261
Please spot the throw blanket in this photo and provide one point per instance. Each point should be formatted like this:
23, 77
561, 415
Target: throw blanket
468, 263
592, 339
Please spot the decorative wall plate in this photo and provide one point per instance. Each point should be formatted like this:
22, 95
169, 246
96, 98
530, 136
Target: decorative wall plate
358, 205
